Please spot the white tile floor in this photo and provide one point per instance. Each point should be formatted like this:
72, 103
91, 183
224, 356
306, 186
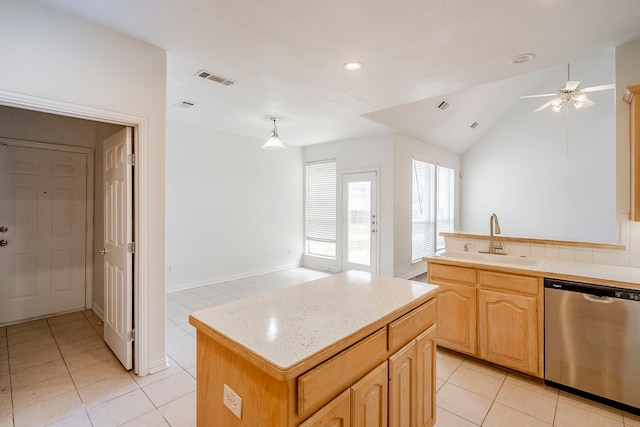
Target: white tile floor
58, 372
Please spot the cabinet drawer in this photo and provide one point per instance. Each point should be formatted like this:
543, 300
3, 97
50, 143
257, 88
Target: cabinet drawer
509, 282
406, 328
452, 273
322, 383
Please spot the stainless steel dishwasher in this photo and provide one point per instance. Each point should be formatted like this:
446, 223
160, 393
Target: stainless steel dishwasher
592, 341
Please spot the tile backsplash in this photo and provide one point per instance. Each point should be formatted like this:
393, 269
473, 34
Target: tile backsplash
629, 256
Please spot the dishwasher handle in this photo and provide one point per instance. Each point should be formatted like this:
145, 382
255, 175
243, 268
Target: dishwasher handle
598, 299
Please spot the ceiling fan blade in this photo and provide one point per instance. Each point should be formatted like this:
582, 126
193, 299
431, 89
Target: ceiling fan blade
598, 88
588, 103
538, 96
572, 85
543, 106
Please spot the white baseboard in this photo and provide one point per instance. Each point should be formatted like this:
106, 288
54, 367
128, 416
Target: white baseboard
212, 281
98, 311
156, 366
415, 272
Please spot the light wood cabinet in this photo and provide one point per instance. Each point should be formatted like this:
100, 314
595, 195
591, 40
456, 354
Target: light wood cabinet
632, 96
347, 386
426, 393
508, 330
493, 315
412, 383
457, 318
403, 386
457, 304
369, 399
337, 413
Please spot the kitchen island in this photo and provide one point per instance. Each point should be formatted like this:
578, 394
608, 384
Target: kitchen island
353, 347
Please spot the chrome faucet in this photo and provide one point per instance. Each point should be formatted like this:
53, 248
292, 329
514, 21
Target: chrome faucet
494, 228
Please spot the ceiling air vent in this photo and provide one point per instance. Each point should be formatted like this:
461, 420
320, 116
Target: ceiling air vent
184, 104
443, 105
215, 78
474, 125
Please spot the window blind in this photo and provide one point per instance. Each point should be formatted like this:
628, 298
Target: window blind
433, 198
445, 216
422, 233
321, 208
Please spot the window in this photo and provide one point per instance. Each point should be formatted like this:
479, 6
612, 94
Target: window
320, 209
433, 207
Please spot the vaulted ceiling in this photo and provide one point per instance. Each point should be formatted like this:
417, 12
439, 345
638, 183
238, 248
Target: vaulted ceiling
286, 58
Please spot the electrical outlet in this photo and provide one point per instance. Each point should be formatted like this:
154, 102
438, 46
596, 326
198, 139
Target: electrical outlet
232, 401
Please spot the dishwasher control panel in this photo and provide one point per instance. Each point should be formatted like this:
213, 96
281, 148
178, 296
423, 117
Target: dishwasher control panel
625, 294
590, 288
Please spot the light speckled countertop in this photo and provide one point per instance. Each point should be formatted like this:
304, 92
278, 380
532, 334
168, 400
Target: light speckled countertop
287, 326
627, 277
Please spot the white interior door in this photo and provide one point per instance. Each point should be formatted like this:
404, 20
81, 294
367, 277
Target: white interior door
43, 226
360, 222
118, 234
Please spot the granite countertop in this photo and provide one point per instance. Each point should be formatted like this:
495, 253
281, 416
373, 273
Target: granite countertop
283, 328
628, 277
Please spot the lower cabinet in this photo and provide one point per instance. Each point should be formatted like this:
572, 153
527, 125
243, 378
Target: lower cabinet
493, 315
399, 392
364, 404
508, 325
412, 383
336, 413
457, 317
369, 399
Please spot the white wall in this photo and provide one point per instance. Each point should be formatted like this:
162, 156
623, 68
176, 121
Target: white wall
542, 178
369, 152
50, 55
404, 150
233, 209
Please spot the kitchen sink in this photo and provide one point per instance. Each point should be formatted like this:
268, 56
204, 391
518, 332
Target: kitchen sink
492, 258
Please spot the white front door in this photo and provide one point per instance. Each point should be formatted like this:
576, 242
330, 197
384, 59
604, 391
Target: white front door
118, 256
43, 226
360, 222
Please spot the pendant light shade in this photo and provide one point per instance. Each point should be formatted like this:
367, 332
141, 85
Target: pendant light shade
274, 143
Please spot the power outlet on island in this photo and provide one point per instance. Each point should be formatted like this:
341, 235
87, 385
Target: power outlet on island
232, 401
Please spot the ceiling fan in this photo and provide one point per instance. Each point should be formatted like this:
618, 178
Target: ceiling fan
571, 93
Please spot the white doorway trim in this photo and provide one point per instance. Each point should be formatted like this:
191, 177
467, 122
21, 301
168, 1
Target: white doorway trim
141, 199
342, 207
88, 297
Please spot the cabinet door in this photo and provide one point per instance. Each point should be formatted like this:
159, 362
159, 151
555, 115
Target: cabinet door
508, 328
369, 399
426, 378
456, 317
403, 387
336, 413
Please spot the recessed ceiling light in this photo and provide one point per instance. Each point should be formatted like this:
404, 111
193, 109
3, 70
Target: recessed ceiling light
522, 58
352, 65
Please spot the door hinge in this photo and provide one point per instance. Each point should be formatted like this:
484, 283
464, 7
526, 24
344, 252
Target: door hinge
131, 159
131, 336
131, 247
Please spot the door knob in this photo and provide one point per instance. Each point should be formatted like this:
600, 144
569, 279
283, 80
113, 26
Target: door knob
3, 229
103, 251
3, 243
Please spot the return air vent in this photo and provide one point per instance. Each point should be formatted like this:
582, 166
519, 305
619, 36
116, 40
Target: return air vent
443, 105
184, 104
215, 78
474, 125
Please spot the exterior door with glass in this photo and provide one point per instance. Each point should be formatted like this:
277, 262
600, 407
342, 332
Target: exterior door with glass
360, 221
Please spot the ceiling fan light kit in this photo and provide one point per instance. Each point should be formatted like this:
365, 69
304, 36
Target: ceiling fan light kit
571, 93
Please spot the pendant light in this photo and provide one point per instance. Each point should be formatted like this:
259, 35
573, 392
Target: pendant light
274, 143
